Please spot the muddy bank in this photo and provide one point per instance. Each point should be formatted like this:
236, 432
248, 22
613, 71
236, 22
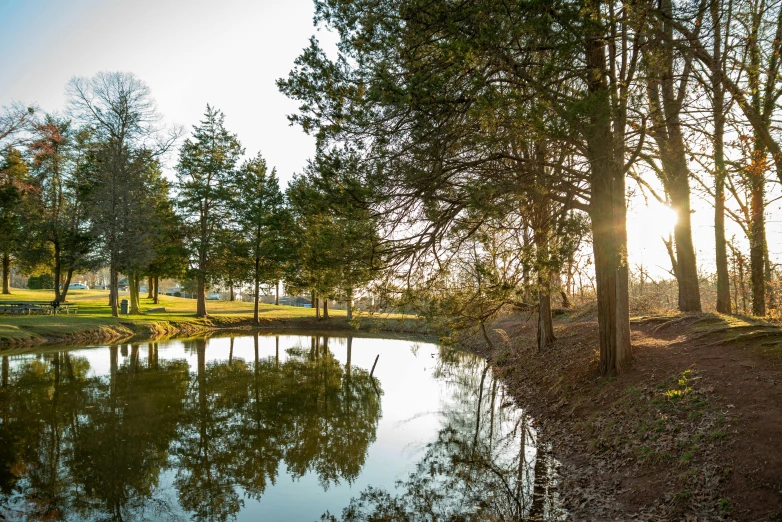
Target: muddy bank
691, 432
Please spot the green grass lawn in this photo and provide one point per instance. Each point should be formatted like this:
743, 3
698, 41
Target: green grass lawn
94, 314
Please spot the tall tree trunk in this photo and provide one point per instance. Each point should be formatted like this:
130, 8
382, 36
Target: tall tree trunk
66, 284
350, 304
257, 281
316, 301
718, 113
57, 273
757, 238
201, 296
277, 294
325, 307
113, 291
156, 280
545, 324
666, 105
231, 296
6, 273
687, 269
542, 237
134, 280
150, 287
763, 99
607, 209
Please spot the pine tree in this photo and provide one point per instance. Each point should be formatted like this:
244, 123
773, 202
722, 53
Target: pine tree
207, 166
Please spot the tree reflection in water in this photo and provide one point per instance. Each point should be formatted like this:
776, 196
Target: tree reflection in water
74, 446
483, 465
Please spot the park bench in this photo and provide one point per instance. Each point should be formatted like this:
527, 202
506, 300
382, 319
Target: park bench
50, 307
24, 309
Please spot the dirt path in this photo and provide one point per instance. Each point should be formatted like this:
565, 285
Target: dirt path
692, 432
747, 385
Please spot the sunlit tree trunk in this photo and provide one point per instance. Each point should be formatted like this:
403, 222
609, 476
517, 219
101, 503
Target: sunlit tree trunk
666, 107
201, 296
150, 287
607, 209
718, 113
133, 287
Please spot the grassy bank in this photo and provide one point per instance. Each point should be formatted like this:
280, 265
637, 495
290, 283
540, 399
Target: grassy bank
93, 321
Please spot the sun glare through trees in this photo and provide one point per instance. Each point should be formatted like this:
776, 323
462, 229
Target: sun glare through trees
569, 208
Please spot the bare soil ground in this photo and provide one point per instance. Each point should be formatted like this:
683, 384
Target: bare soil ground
693, 431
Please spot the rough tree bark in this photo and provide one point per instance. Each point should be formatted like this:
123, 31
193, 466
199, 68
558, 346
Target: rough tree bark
201, 296
607, 208
718, 113
134, 281
666, 105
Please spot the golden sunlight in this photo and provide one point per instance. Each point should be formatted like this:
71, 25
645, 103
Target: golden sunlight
646, 226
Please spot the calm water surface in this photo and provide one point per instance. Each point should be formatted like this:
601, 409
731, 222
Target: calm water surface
265, 427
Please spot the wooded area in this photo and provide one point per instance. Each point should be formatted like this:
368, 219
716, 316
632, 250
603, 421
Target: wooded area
467, 158
486, 132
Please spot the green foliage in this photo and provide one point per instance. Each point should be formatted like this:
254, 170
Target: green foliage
261, 246
206, 168
337, 244
41, 282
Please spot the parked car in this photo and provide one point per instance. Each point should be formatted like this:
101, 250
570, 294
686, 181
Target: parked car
78, 286
213, 297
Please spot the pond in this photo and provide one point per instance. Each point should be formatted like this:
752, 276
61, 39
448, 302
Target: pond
266, 427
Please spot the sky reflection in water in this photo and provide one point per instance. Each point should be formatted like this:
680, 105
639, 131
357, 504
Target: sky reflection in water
287, 427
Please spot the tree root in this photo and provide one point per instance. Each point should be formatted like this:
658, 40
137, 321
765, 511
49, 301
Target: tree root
682, 320
752, 336
724, 329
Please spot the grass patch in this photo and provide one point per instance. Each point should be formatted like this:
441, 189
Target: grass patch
94, 314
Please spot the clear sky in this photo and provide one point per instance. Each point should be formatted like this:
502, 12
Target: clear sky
227, 53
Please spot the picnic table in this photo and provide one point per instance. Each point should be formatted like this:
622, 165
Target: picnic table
51, 307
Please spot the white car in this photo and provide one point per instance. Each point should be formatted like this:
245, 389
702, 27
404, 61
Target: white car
78, 286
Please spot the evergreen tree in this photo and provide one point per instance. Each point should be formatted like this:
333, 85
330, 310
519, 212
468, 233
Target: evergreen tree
16, 194
207, 165
259, 211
